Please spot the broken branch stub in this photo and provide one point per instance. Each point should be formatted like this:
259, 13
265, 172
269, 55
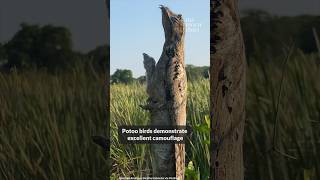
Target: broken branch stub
167, 91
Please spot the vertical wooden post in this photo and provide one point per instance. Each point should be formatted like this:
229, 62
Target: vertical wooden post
228, 85
167, 88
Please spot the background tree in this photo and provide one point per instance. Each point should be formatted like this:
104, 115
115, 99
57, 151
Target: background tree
47, 46
142, 79
2, 54
99, 58
122, 76
197, 72
54, 48
269, 34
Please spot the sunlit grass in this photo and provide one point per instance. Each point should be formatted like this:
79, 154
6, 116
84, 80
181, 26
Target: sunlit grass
134, 160
46, 122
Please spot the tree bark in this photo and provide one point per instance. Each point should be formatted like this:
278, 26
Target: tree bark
228, 84
166, 88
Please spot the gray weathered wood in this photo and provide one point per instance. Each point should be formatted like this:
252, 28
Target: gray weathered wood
228, 84
167, 88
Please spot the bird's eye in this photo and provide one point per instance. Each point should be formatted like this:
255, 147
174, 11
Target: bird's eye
174, 19
180, 16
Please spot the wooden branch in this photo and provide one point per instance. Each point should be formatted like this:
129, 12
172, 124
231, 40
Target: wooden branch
228, 84
167, 87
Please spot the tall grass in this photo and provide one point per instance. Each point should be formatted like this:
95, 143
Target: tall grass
46, 122
298, 128
298, 116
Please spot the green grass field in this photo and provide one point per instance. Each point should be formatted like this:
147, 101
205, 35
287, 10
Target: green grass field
46, 122
134, 160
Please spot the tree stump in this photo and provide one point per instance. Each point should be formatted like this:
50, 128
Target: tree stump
167, 91
228, 84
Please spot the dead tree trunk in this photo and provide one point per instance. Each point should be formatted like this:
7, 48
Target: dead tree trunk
228, 84
167, 87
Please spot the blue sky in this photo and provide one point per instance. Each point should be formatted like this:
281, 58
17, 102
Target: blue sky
136, 28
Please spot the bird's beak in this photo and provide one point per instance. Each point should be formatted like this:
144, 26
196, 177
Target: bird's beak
166, 11
166, 15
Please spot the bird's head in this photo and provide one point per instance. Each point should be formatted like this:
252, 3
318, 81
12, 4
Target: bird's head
172, 23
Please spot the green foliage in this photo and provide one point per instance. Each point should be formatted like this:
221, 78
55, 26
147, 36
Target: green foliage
191, 172
270, 33
122, 76
35, 46
141, 79
99, 58
197, 72
2, 53
49, 48
204, 128
194, 73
